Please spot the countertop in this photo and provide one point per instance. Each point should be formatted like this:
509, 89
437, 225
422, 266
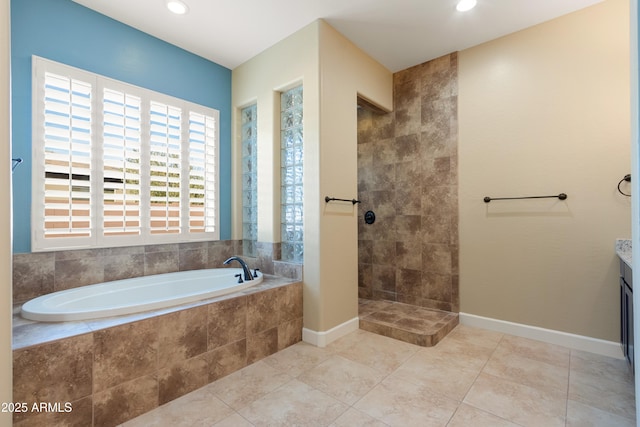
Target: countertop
623, 249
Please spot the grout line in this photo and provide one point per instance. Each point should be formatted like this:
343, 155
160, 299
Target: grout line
482, 368
566, 401
474, 381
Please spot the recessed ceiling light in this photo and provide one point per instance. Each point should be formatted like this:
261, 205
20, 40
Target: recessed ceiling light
464, 5
177, 6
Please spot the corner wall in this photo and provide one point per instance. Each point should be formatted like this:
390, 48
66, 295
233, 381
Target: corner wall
634, 19
545, 111
291, 62
333, 72
5, 213
346, 73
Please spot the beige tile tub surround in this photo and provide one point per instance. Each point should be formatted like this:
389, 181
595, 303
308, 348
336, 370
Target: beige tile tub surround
40, 273
473, 377
114, 374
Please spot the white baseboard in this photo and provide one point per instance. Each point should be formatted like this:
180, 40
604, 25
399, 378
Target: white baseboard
576, 342
322, 339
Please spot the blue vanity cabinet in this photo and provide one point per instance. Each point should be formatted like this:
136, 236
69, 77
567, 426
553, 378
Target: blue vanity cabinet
626, 312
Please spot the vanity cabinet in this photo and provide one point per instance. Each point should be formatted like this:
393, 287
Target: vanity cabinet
626, 312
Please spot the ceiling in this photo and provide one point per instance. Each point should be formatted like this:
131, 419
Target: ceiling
397, 33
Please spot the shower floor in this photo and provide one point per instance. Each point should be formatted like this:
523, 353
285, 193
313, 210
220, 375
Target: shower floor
405, 322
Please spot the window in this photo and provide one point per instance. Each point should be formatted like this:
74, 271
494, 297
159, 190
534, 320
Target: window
249, 181
115, 164
292, 196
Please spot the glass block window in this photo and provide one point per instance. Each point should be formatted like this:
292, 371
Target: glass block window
249, 181
291, 138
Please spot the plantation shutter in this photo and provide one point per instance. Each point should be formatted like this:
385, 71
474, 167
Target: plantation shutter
115, 164
202, 173
165, 165
121, 163
67, 157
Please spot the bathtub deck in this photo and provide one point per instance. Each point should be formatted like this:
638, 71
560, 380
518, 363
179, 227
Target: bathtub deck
404, 322
28, 333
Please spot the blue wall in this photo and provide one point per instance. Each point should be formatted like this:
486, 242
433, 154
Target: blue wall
66, 32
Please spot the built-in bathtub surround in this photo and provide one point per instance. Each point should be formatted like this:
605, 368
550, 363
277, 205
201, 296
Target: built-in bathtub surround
115, 369
40, 273
140, 294
407, 175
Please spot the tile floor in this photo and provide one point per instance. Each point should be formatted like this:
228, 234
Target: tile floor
473, 377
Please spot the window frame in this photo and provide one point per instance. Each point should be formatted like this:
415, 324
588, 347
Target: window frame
249, 236
291, 208
98, 239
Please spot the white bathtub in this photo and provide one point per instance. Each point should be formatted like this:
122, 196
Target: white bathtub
135, 295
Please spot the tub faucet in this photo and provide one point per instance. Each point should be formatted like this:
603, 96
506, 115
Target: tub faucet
245, 268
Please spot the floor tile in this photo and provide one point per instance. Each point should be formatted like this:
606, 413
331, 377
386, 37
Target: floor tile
515, 402
580, 415
295, 404
527, 371
355, 418
342, 379
199, 408
475, 336
602, 393
234, 420
537, 350
249, 384
380, 353
472, 377
401, 403
467, 416
298, 358
603, 366
466, 354
439, 372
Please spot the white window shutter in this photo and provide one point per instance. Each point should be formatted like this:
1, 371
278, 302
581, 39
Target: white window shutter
202, 172
67, 157
121, 163
165, 166
115, 164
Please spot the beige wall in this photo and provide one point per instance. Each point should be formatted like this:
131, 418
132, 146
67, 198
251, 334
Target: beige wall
635, 170
260, 80
545, 111
332, 71
5, 214
345, 72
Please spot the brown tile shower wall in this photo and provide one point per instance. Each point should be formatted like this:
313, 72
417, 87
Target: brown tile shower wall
115, 374
407, 175
35, 274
